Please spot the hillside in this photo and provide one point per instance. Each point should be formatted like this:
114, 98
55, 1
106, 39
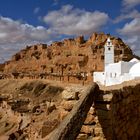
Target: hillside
37, 109
70, 60
31, 109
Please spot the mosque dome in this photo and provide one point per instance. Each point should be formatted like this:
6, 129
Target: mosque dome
134, 60
135, 70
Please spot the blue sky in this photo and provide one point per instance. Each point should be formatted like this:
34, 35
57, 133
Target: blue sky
25, 22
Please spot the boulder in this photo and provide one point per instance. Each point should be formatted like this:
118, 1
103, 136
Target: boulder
69, 94
90, 120
92, 110
68, 105
63, 113
86, 129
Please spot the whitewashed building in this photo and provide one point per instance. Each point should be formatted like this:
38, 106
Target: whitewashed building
116, 73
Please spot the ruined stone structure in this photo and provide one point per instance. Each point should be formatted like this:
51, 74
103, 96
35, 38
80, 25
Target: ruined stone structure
114, 115
36, 110
72, 60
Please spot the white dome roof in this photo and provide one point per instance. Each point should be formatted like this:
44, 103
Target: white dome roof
135, 70
134, 60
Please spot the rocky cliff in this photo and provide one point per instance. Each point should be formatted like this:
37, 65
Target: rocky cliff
69, 60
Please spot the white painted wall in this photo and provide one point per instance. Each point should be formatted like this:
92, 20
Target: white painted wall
126, 77
126, 66
113, 70
115, 73
112, 81
99, 77
135, 70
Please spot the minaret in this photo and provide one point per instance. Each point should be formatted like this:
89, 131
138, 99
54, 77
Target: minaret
109, 52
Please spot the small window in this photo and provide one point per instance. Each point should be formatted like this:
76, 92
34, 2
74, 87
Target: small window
109, 49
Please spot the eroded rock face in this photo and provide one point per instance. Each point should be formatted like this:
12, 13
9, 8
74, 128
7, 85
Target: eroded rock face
71, 60
31, 109
115, 112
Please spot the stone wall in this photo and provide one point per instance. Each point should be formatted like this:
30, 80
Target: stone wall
111, 113
115, 115
125, 113
71, 125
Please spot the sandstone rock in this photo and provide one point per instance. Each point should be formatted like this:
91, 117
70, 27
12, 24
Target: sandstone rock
25, 120
90, 120
67, 105
4, 137
2, 68
69, 94
92, 110
98, 131
66, 60
50, 106
87, 129
63, 114
48, 126
82, 137
98, 138
80, 39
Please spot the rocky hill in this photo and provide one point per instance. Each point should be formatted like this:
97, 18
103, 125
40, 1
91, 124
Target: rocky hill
2, 67
31, 109
69, 60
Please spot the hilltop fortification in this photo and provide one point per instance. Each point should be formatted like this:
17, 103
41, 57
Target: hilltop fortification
69, 60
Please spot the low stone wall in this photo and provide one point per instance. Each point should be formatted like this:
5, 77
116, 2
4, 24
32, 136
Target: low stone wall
115, 115
71, 125
125, 113
111, 113
97, 125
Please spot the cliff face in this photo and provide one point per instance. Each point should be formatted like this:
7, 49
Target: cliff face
68, 59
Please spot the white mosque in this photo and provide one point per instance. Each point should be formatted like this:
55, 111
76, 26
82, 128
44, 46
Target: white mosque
116, 73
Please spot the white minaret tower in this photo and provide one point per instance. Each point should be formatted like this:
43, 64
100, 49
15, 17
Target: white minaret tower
109, 52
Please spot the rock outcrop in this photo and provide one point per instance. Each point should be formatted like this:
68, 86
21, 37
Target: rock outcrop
32, 109
2, 67
71, 60
36, 109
